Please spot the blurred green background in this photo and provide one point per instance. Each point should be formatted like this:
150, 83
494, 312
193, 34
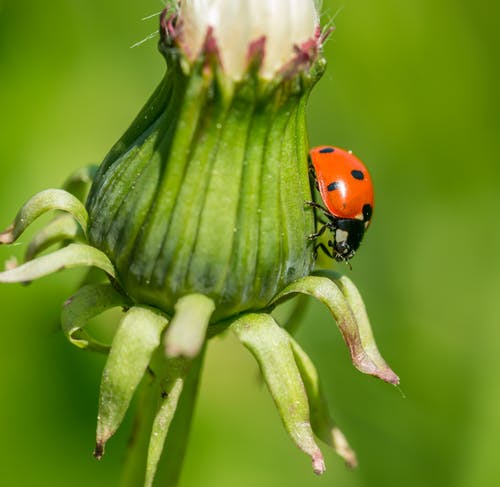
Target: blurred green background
413, 88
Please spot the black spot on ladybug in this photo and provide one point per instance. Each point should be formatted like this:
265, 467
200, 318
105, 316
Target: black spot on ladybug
358, 175
367, 212
333, 186
327, 150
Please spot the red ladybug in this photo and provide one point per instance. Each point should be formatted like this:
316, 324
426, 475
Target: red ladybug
346, 189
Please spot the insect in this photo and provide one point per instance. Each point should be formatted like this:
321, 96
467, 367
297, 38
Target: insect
346, 189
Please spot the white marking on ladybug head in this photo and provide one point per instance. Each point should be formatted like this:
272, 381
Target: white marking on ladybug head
341, 236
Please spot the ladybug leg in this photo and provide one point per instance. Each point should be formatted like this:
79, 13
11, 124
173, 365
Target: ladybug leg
312, 175
312, 204
320, 232
324, 223
324, 248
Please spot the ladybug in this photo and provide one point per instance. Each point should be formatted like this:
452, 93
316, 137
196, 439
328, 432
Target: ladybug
346, 189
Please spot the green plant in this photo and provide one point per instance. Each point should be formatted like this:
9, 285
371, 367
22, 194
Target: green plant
197, 219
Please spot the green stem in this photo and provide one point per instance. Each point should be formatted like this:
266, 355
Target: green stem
135, 461
170, 465
169, 468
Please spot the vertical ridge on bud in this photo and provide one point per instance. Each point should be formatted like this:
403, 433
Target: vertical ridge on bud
244, 257
121, 170
211, 256
295, 220
192, 196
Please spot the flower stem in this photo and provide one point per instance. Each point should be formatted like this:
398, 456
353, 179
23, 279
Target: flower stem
135, 461
174, 450
170, 465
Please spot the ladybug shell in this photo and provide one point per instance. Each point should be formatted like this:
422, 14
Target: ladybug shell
344, 183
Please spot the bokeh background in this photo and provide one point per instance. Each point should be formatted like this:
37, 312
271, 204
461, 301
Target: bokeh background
413, 88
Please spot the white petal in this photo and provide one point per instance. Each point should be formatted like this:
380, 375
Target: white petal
237, 23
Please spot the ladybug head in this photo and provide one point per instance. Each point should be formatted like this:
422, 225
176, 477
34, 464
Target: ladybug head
347, 236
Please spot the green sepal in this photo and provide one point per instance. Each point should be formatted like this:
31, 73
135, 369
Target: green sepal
74, 255
270, 345
48, 200
62, 228
353, 297
136, 339
321, 421
291, 314
145, 446
187, 331
363, 349
90, 301
172, 385
358, 308
78, 183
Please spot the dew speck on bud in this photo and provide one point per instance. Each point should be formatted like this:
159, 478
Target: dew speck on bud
197, 222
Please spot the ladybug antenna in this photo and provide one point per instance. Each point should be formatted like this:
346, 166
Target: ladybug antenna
403, 395
347, 262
